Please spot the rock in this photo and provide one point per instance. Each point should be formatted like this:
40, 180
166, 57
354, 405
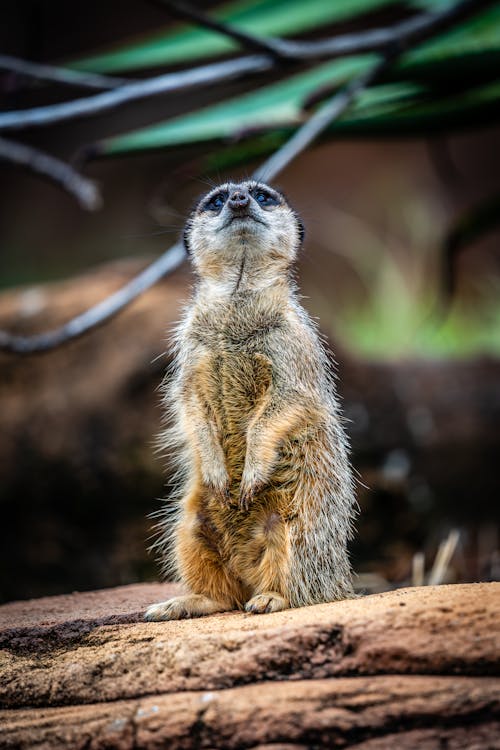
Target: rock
410, 668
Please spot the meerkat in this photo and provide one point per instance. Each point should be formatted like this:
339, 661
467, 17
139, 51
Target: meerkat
264, 499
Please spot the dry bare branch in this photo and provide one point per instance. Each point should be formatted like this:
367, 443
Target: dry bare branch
318, 122
67, 76
100, 313
373, 40
248, 41
203, 75
84, 190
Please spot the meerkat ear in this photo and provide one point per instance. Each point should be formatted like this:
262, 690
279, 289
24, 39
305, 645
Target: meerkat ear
185, 237
301, 229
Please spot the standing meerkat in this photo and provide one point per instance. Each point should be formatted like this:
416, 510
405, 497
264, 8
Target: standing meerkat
264, 502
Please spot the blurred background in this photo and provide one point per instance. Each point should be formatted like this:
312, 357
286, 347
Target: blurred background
401, 266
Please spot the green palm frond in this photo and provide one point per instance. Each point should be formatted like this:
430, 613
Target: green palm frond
447, 83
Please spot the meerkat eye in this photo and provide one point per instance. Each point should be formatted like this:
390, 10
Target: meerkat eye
216, 202
264, 198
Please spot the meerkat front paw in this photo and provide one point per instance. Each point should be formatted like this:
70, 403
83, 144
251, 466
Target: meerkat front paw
218, 484
221, 493
182, 607
269, 601
256, 474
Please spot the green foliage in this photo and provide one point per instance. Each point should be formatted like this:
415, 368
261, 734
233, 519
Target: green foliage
400, 313
374, 330
260, 17
279, 105
391, 109
444, 84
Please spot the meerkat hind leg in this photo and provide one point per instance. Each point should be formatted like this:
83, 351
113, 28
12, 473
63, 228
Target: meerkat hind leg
270, 542
181, 607
268, 601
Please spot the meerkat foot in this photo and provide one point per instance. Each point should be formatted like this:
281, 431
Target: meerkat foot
182, 607
269, 601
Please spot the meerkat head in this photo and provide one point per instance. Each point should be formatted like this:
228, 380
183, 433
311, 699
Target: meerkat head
242, 222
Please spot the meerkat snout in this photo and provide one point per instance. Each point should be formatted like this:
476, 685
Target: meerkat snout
238, 200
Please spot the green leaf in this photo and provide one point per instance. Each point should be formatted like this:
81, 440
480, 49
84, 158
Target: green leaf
379, 109
474, 45
471, 47
471, 107
394, 114
261, 17
270, 106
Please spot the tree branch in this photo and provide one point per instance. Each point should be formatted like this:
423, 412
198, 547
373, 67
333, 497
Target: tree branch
107, 100
373, 40
98, 314
66, 76
250, 42
84, 190
317, 123
413, 32
417, 28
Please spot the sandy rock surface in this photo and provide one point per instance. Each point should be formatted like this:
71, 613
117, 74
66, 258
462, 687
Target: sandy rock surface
412, 667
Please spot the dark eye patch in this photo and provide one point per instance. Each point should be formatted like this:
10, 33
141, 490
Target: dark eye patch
215, 203
264, 197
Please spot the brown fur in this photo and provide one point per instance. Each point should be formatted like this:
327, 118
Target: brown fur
265, 494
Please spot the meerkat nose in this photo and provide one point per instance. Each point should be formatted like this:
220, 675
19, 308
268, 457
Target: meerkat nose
238, 200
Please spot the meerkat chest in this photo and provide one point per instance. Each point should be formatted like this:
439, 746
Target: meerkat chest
232, 383
236, 330
232, 364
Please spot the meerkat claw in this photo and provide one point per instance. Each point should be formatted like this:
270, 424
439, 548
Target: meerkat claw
244, 501
223, 494
248, 493
246, 497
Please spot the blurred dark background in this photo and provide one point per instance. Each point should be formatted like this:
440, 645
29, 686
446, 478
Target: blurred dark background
420, 386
